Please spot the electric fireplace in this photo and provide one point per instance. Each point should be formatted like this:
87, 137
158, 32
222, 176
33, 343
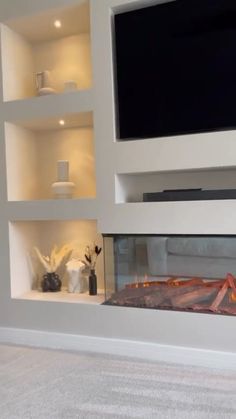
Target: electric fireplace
184, 273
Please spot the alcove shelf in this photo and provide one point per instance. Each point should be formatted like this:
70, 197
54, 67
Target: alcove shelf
64, 297
25, 269
33, 44
53, 209
34, 146
48, 106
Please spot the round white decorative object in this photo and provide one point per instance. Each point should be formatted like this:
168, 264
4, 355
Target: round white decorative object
46, 91
63, 190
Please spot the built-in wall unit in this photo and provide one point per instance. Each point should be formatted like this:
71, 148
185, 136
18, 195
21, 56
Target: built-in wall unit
48, 143
118, 168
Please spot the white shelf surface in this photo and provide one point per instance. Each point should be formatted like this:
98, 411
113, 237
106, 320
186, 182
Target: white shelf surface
63, 297
60, 104
55, 209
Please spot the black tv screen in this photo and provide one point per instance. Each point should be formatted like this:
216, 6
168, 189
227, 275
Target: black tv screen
176, 68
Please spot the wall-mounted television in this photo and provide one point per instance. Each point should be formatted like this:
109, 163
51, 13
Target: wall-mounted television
175, 68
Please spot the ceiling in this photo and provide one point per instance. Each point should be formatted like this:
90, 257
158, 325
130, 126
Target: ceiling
40, 27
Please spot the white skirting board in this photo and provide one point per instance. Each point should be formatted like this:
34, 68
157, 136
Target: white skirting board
135, 349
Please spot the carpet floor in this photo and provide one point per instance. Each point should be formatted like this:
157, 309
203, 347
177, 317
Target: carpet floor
49, 384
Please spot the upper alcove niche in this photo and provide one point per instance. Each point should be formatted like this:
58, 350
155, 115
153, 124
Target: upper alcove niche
55, 43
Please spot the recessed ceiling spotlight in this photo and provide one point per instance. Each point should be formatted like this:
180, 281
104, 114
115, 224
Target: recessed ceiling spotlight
62, 122
57, 24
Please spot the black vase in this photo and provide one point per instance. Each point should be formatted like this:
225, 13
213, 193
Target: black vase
92, 283
51, 282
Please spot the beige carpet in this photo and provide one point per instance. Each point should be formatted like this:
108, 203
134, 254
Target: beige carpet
46, 384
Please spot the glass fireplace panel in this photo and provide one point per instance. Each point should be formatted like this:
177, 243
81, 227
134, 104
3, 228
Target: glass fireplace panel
193, 273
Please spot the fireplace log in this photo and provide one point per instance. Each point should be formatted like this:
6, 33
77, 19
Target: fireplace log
131, 296
155, 300
220, 296
173, 294
184, 282
148, 296
231, 282
165, 295
227, 309
200, 307
197, 296
216, 284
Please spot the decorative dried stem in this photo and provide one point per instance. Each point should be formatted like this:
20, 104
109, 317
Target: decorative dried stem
91, 255
51, 263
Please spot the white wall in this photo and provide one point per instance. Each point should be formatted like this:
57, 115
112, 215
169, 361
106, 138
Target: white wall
17, 66
22, 162
24, 276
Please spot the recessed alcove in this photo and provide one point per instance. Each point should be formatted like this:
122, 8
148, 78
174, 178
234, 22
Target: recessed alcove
33, 148
25, 269
33, 44
131, 186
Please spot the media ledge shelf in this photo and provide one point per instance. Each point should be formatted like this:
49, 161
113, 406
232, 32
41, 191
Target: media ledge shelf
63, 297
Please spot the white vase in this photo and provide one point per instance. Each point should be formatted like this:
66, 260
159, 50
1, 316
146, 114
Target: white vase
43, 83
62, 188
77, 281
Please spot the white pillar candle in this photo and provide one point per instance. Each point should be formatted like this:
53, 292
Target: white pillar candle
62, 171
